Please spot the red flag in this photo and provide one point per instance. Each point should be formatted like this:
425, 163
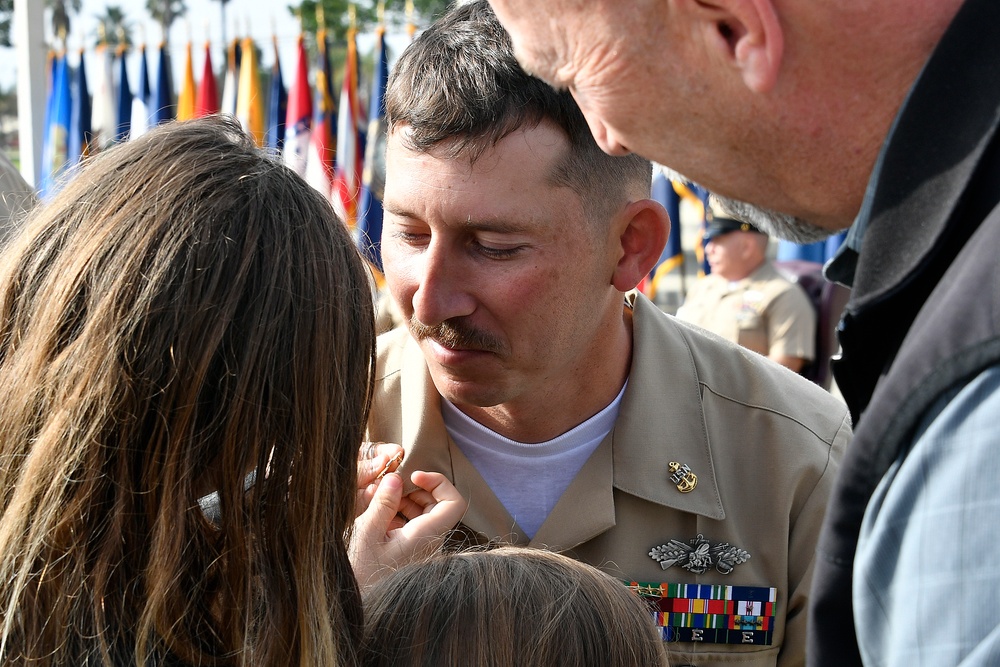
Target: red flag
207, 100
298, 119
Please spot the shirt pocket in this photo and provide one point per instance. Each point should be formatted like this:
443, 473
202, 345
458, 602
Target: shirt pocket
751, 332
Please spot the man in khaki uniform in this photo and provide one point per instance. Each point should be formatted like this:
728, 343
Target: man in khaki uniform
745, 300
570, 417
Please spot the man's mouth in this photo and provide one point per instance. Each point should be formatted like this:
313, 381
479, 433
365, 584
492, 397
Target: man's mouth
457, 336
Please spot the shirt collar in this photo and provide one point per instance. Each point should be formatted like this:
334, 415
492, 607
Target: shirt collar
662, 418
646, 435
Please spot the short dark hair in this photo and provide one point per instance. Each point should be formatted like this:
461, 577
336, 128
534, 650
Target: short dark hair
459, 85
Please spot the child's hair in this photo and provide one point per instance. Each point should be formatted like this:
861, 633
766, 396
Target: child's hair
186, 312
507, 607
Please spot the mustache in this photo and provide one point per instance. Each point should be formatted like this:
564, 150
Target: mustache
457, 334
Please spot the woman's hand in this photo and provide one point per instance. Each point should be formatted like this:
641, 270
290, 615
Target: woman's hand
376, 459
393, 529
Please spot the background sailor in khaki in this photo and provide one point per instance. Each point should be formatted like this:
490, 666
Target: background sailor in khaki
745, 300
570, 417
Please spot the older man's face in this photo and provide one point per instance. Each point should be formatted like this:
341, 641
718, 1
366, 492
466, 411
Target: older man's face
636, 78
594, 49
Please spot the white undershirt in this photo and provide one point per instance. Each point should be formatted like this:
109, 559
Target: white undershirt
528, 479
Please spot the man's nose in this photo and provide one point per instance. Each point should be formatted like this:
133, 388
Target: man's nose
605, 137
442, 291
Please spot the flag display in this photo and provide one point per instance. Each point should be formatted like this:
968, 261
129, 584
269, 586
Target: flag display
163, 95
369, 225
206, 102
323, 140
186, 98
820, 251
80, 136
123, 105
298, 118
51, 62
277, 107
698, 196
341, 153
104, 109
142, 99
231, 81
249, 101
672, 257
350, 142
55, 142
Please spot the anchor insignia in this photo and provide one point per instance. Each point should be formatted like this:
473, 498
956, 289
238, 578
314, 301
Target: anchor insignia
681, 475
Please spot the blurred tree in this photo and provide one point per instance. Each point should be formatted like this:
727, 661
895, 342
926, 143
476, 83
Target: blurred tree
8, 120
113, 27
165, 12
8, 102
335, 14
61, 10
6, 14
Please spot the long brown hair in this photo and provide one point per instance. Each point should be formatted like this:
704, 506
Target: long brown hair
508, 607
186, 315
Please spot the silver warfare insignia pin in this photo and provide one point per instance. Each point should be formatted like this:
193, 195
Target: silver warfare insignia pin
698, 555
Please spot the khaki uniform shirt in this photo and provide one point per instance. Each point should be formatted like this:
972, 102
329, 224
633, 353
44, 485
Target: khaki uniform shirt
764, 312
763, 442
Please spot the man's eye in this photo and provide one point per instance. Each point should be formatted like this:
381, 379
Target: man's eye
497, 253
410, 238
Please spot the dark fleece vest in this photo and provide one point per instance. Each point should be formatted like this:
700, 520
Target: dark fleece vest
924, 315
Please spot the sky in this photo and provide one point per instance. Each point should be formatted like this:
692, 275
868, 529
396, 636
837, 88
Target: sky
261, 19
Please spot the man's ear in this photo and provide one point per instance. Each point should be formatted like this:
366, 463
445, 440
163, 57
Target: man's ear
747, 34
644, 227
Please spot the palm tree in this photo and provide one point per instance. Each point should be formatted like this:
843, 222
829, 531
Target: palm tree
114, 28
61, 10
336, 13
164, 12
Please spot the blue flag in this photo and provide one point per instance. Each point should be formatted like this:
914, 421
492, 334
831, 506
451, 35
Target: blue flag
698, 196
820, 251
163, 96
80, 135
373, 175
124, 115
55, 143
672, 256
277, 108
142, 100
